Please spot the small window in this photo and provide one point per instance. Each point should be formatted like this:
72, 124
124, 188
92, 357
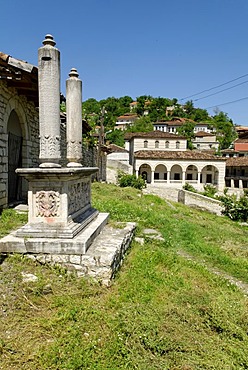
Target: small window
177, 144
156, 175
167, 144
145, 144
156, 144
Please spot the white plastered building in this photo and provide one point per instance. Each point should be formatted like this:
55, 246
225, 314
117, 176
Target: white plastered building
163, 158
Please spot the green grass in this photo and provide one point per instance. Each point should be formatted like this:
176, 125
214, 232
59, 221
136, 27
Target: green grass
161, 312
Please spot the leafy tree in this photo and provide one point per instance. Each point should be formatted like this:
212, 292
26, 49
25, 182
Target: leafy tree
187, 130
143, 124
141, 100
225, 130
62, 107
189, 107
200, 115
116, 137
124, 104
91, 106
157, 108
179, 112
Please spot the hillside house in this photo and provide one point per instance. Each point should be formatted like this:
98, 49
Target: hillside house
237, 172
172, 126
126, 120
241, 144
162, 157
205, 141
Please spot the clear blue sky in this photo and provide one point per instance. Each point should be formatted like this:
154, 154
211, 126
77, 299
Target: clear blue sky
164, 48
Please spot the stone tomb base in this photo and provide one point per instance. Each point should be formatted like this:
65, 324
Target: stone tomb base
99, 260
64, 228
59, 201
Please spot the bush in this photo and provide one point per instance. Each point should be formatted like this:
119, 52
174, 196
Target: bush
189, 187
125, 180
236, 210
209, 191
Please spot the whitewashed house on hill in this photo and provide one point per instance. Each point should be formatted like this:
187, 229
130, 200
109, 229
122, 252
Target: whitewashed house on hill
126, 120
205, 141
162, 157
173, 125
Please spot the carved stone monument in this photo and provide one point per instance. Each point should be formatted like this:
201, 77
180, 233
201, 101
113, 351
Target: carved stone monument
59, 198
62, 224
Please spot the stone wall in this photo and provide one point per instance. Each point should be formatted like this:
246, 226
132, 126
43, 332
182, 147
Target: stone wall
199, 201
28, 121
102, 260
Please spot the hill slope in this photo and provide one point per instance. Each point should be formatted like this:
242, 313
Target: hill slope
163, 311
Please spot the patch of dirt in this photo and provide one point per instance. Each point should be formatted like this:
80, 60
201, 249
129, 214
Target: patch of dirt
234, 281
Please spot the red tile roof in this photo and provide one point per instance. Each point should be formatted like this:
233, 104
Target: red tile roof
117, 149
153, 134
203, 134
237, 161
128, 116
187, 154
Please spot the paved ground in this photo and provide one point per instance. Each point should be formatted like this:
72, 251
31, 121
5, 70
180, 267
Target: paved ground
161, 191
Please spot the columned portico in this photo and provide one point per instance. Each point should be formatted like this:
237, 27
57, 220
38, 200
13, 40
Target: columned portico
178, 172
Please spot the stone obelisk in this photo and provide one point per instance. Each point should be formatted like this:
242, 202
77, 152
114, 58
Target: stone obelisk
49, 103
74, 119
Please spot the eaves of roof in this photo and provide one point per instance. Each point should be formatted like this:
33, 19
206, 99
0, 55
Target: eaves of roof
177, 155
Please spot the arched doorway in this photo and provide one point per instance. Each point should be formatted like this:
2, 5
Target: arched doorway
176, 173
209, 175
14, 157
145, 172
191, 174
160, 173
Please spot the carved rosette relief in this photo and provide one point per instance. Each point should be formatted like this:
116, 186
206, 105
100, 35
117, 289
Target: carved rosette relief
47, 203
79, 196
49, 146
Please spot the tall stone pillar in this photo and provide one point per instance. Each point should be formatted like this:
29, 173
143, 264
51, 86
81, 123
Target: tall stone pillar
74, 119
49, 103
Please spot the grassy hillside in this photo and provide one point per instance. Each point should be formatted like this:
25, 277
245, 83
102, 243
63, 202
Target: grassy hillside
163, 311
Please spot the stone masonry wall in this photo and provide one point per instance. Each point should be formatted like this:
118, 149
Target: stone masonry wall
29, 123
200, 201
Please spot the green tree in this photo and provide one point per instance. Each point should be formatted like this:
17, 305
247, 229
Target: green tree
187, 130
200, 115
143, 124
225, 130
116, 137
189, 107
141, 100
91, 106
157, 108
